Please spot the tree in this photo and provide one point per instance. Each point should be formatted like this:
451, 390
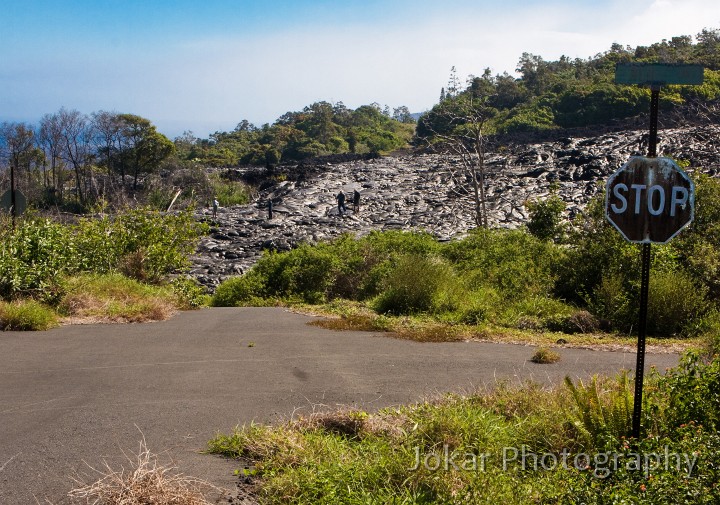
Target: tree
453, 87
535, 72
106, 135
142, 147
546, 218
402, 114
463, 121
50, 139
75, 138
18, 139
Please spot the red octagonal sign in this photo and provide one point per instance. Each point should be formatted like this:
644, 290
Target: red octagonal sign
649, 200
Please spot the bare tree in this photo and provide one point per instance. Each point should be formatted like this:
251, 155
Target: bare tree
75, 145
457, 127
50, 140
106, 128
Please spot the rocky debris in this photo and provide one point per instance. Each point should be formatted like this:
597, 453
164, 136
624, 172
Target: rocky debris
426, 192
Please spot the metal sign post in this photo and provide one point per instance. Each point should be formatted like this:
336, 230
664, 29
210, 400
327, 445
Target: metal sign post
13, 198
655, 76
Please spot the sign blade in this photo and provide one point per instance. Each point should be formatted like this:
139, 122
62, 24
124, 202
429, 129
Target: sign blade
658, 74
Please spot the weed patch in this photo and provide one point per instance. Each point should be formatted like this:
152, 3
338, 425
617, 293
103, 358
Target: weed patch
513, 444
545, 356
26, 315
115, 298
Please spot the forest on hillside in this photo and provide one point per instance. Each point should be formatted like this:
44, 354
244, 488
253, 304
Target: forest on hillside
74, 160
570, 93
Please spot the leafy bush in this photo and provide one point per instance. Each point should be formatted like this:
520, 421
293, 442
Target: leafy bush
229, 192
514, 263
613, 303
479, 306
306, 272
546, 218
247, 290
698, 247
690, 393
675, 303
26, 315
143, 244
146, 245
33, 259
189, 293
413, 285
159, 198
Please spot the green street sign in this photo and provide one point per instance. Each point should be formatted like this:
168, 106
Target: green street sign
658, 74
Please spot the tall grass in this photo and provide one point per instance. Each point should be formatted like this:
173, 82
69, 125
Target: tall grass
115, 298
26, 315
513, 444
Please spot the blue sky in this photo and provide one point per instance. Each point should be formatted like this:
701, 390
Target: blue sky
206, 65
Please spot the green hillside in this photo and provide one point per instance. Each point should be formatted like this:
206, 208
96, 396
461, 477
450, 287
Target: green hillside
571, 93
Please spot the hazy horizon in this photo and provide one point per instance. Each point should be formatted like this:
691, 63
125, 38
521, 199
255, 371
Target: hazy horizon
205, 67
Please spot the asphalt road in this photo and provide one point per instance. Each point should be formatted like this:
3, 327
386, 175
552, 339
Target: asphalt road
80, 395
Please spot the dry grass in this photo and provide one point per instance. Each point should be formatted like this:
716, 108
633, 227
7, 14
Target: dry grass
352, 423
114, 299
145, 482
354, 316
357, 322
545, 356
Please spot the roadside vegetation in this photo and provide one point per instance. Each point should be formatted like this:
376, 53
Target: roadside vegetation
569, 282
107, 268
513, 444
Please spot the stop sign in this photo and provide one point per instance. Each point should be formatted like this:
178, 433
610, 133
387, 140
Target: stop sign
649, 200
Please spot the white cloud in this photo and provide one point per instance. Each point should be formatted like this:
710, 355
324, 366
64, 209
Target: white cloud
261, 78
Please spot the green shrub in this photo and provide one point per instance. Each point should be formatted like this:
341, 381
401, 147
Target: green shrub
611, 301
145, 245
537, 312
479, 306
247, 290
691, 393
514, 263
189, 293
306, 272
698, 247
413, 285
230, 192
355, 261
33, 259
675, 303
708, 327
160, 198
26, 315
546, 218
